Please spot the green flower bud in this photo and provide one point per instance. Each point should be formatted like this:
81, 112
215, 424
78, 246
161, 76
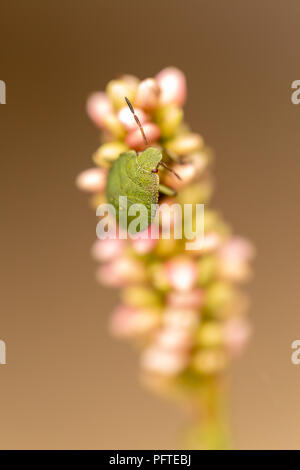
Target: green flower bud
169, 118
113, 125
213, 222
207, 268
210, 361
140, 297
158, 276
166, 247
97, 199
185, 144
117, 90
210, 334
195, 193
108, 153
218, 296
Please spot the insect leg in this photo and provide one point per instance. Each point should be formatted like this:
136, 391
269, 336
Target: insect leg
169, 169
166, 190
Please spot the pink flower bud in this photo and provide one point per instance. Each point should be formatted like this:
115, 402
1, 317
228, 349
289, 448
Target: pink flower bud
120, 272
129, 322
162, 362
143, 246
144, 242
107, 249
233, 259
187, 172
92, 180
181, 273
132, 80
135, 140
170, 214
98, 107
126, 118
173, 339
181, 318
237, 248
190, 299
172, 84
236, 335
130, 269
210, 242
234, 271
147, 95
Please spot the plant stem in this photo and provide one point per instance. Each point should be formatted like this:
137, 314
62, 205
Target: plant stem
209, 428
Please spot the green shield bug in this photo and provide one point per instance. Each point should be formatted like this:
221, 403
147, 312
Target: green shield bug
133, 180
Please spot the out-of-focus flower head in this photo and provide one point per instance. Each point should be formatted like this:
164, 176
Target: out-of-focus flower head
181, 306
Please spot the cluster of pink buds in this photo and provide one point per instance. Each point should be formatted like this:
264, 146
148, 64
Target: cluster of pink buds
183, 308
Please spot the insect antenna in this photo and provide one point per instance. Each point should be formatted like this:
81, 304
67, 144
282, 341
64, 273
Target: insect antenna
170, 169
137, 120
145, 138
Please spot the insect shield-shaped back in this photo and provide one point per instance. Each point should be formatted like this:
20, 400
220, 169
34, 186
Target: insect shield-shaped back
132, 188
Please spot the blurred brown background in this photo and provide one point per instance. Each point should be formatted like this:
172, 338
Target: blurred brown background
67, 384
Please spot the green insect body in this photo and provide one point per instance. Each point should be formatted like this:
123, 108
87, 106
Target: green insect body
135, 176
